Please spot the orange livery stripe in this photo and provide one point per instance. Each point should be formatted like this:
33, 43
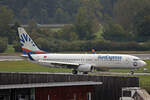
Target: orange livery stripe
39, 51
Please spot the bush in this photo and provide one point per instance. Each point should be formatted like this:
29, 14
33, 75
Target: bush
17, 46
98, 45
116, 32
3, 44
43, 44
145, 46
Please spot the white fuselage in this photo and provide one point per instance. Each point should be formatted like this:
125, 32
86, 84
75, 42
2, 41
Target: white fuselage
97, 60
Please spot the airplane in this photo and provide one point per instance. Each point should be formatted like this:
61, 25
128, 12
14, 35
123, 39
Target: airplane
77, 62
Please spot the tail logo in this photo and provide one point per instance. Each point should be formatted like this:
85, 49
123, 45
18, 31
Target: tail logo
25, 38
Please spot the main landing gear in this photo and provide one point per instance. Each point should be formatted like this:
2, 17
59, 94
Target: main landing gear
74, 71
132, 72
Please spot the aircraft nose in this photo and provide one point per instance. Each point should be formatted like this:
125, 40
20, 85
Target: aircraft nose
143, 63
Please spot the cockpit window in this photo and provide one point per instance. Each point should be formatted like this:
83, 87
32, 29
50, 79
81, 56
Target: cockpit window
136, 59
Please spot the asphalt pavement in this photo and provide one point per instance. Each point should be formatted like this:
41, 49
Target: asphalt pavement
142, 56
10, 58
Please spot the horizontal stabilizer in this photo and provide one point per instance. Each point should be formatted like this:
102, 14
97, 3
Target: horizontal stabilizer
30, 57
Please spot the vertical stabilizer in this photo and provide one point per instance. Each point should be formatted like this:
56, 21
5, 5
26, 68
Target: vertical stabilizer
27, 44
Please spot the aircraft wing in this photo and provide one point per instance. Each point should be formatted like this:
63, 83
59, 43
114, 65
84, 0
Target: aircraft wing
67, 64
59, 63
56, 63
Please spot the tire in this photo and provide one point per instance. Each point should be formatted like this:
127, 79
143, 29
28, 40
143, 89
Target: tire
132, 72
74, 71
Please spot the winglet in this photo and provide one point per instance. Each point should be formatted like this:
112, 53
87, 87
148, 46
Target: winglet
30, 57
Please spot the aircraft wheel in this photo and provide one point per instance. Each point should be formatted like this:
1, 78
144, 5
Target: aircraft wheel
132, 72
74, 71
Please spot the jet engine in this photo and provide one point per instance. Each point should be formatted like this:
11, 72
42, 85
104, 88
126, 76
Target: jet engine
85, 68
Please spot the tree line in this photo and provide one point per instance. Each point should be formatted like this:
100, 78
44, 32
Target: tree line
100, 24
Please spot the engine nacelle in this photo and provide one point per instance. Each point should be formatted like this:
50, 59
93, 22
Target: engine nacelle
85, 68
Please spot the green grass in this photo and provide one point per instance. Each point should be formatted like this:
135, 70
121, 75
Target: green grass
145, 82
26, 66
10, 49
